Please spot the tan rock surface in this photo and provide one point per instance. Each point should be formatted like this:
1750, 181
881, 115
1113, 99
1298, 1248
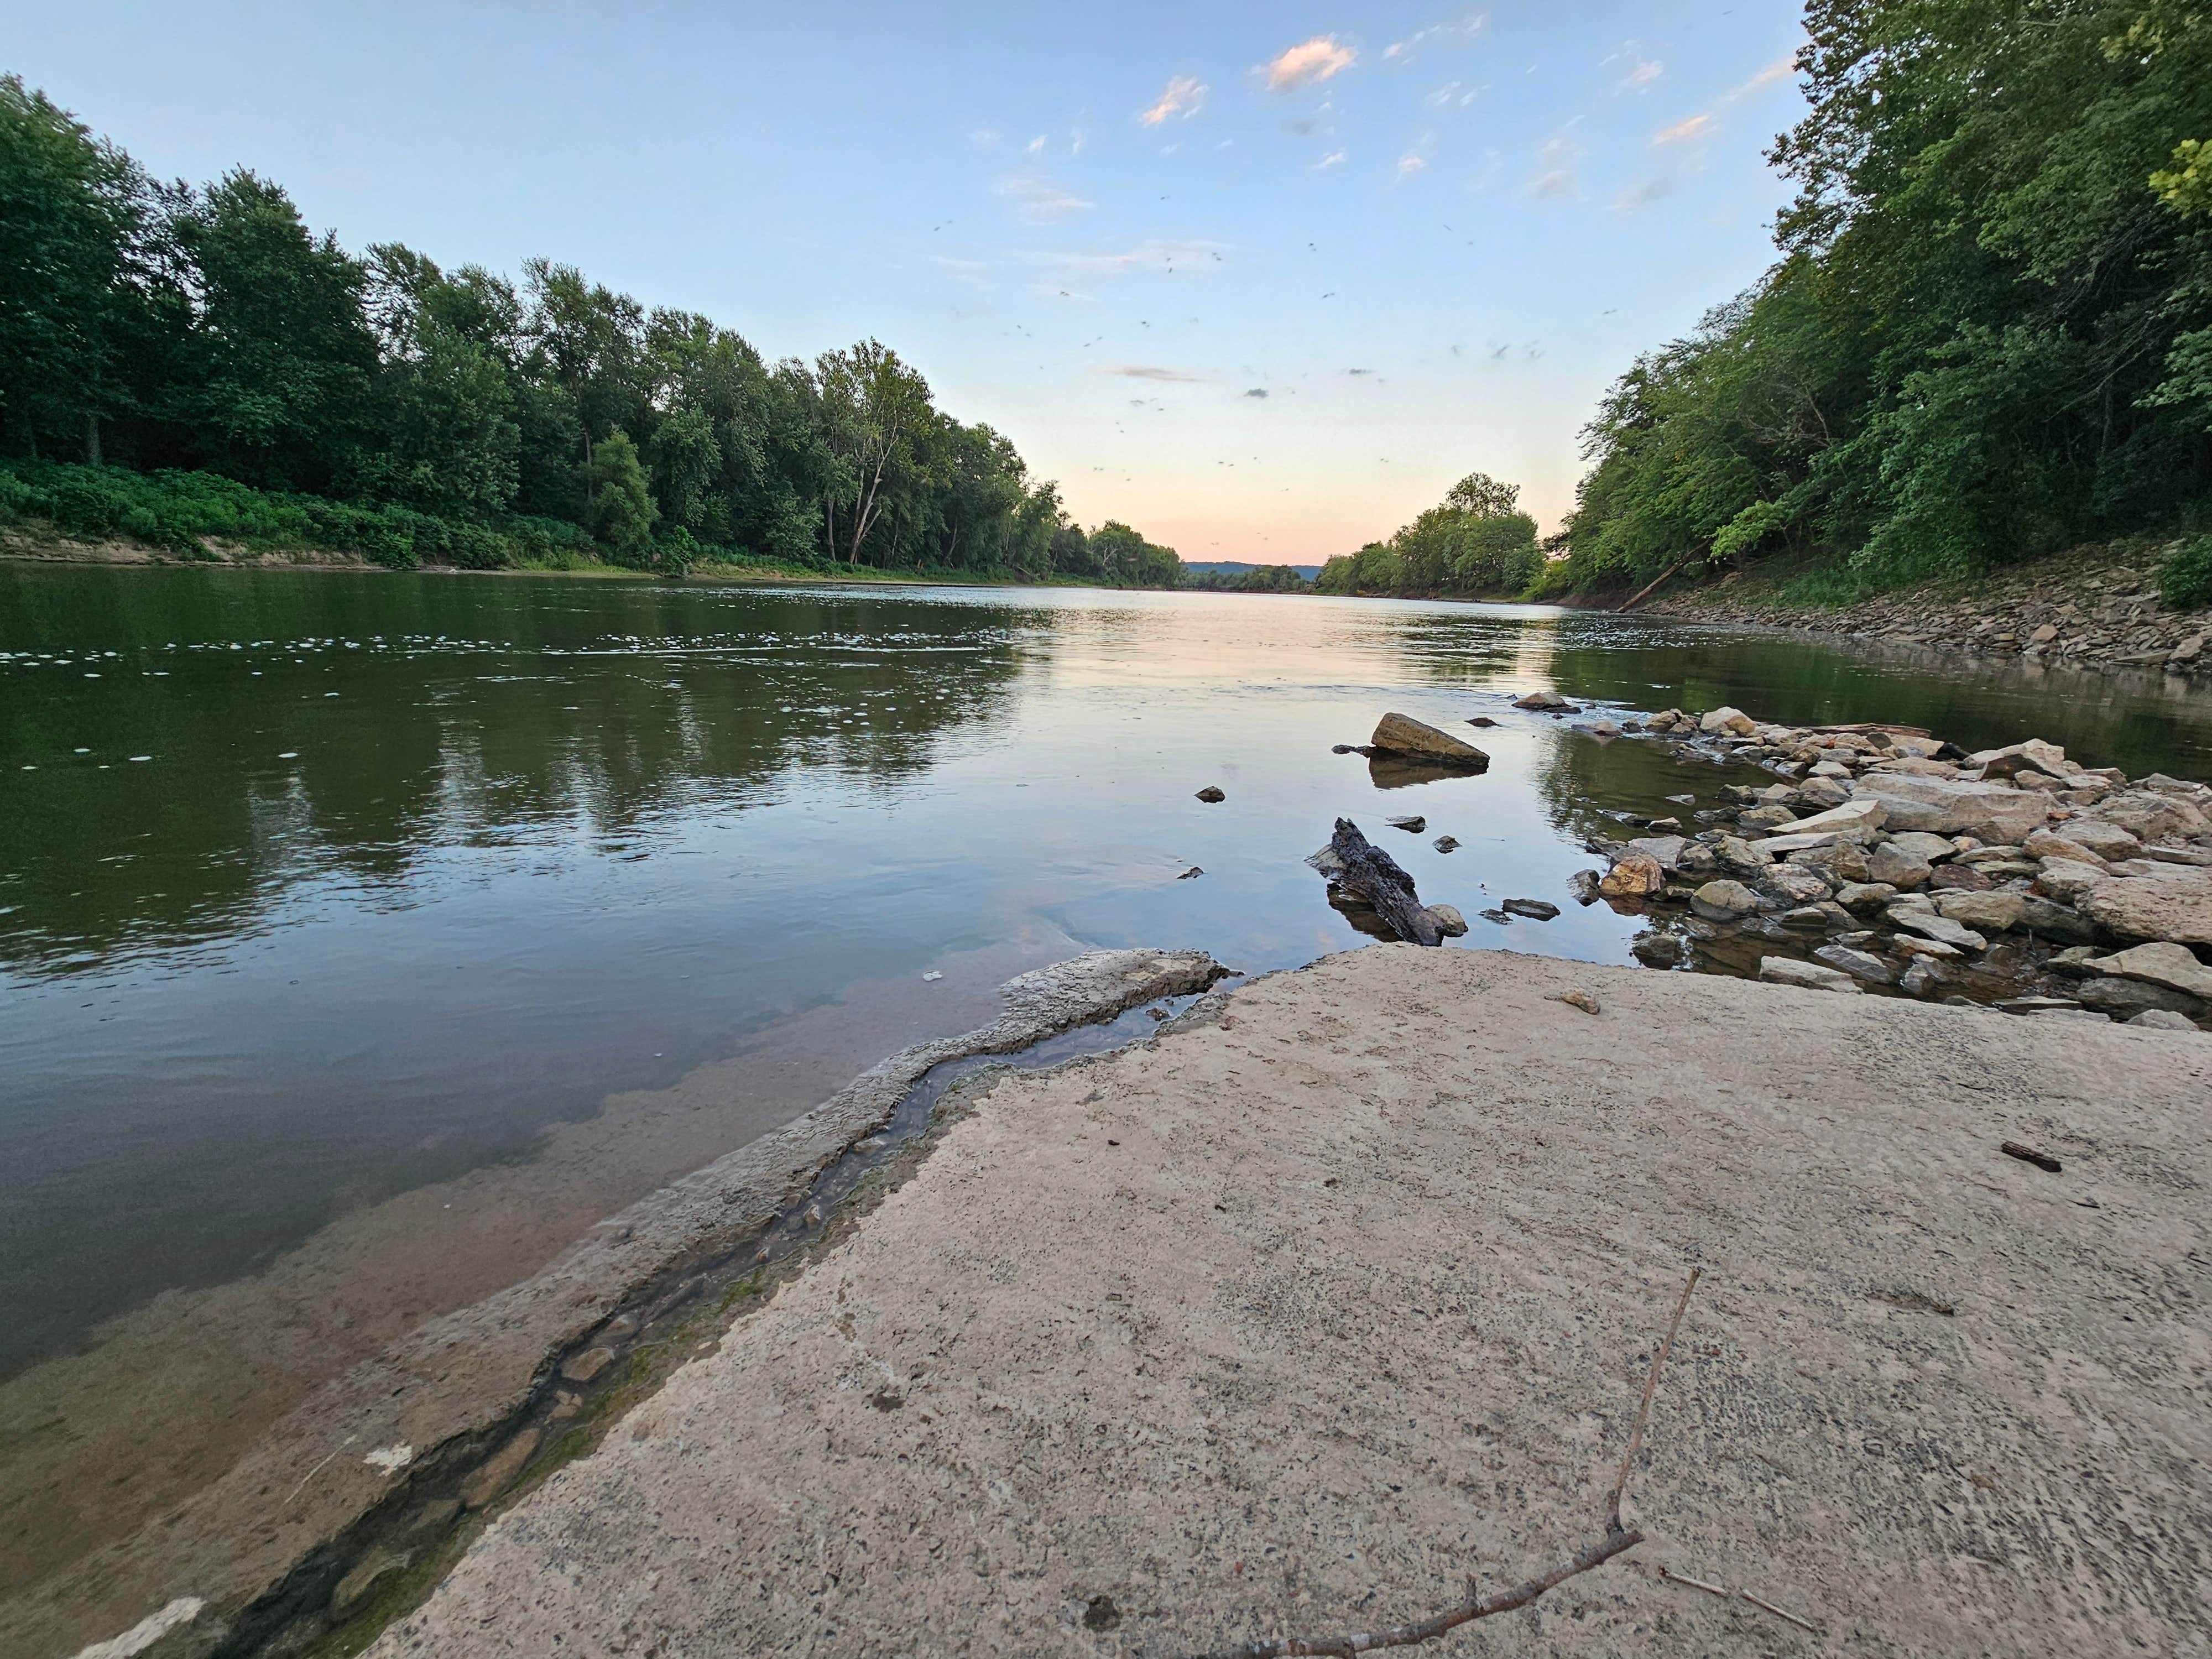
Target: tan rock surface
1401, 734
1360, 1305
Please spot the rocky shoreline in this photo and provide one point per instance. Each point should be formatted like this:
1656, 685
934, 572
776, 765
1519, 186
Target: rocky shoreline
2096, 607
1883, 857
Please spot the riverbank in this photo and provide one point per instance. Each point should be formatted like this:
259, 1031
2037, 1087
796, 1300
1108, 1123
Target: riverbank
2093, 607
1342, 1293
38, 545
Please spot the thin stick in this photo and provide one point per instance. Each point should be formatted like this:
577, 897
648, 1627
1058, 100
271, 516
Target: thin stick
1644, 1410
1721, 1590
1616, 1540
1428, 1629
1777, 1611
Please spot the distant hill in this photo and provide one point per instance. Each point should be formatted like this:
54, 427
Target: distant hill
1235, 568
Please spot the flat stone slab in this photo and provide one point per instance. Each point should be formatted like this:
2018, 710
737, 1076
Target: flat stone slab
1361, 1301
1401, 734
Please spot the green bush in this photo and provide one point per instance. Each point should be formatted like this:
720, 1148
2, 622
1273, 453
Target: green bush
2184, 580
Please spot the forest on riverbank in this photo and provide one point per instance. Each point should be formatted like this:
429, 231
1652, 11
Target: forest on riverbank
1988, 334
179, 363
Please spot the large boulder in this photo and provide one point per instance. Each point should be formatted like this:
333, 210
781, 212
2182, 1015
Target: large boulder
1791, 885
1895, 866
1401, 734
2106, 840
1636, 876
1957, 807
2149, 816
1991, 913
2178, 908
1665, 850
2054, 844
1724, 901
2040, 917
2034, 755
2067, 879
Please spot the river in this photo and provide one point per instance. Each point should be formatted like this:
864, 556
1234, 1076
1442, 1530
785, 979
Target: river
364, 936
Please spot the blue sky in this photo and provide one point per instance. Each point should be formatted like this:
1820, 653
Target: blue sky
1428, 235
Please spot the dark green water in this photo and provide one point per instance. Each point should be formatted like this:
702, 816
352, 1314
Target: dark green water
316, 887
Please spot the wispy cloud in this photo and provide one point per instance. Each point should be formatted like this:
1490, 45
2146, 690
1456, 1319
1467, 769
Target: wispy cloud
1697, 126
1399, 51
1780, 70
1555, 179
1636, 71
1148, 372
1409, 164
1643, 73
1037, 200
1308, 61
1451, 95
1037, 144
1333, 158
1644, 195
1144, 256
1185, 96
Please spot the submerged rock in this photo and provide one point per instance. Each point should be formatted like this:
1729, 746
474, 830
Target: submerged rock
1210, 795
1413, 825
1445, 843
1546, 702
1535, 909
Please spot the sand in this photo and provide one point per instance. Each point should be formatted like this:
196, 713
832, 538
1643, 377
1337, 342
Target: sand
1342, 1293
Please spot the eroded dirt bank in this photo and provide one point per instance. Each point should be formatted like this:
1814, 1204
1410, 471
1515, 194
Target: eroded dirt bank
1294, 1320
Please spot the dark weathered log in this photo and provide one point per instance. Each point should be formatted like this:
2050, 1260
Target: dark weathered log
2013, 1148
1368, 872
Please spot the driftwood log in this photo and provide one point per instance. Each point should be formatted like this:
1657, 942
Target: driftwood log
1371, 875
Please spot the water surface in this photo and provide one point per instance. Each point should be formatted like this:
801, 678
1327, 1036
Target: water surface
318, 887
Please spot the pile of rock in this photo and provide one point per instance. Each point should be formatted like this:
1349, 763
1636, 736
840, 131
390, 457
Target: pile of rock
1922, 867
2096, 607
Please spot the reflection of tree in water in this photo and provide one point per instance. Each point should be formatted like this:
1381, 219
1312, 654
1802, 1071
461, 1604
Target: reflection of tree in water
497, 712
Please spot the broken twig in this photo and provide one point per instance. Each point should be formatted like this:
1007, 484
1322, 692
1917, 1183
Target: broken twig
1726, 1594
1617, 1540
1671, 1577
1777, 1611
2029, 1155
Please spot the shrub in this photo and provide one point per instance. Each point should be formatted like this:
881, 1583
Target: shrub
2184, 580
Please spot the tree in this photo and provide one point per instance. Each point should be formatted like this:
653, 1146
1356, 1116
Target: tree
622, 513
70, 205
874, 409
1483, 496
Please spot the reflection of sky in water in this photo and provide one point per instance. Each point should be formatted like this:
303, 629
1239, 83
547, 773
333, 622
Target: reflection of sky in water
418, 864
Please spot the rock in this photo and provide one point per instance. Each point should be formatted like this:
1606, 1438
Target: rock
2163, 1019
1586, 885
1210, 795
1955, 806
1656, 950
1864, 895
1413, 825
1854, 817
2172, 965
2038, 1006
1535, 909
1807, 976
1450, 922
1494, 915
1942, 929
1766, 817
583, 1367
1400, 734
1805, 919
2178, 908
1582, 999
1892, 866
1781, 846
1636, 876
1790, 883
356, 1584
1446, 843
2054, 844
1342, 749
1911, 944
499, 1472
1858, 964
1664, 850
2107, 841
1741, 857
1920, 844
1604, 729
1959, 878
1732, 722
1724, 901
1683, 801
1668, 826
1994, 913
1483, 720
2045, 635
2149, 816
2034, 755
2125, 997
2065, 880
2040, 917
1920, 978
1189, 874
1842, 862
1546, 702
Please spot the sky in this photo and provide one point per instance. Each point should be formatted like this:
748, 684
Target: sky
1261, 280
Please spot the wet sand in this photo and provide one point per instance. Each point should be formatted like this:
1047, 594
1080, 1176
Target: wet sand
1343, 1291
